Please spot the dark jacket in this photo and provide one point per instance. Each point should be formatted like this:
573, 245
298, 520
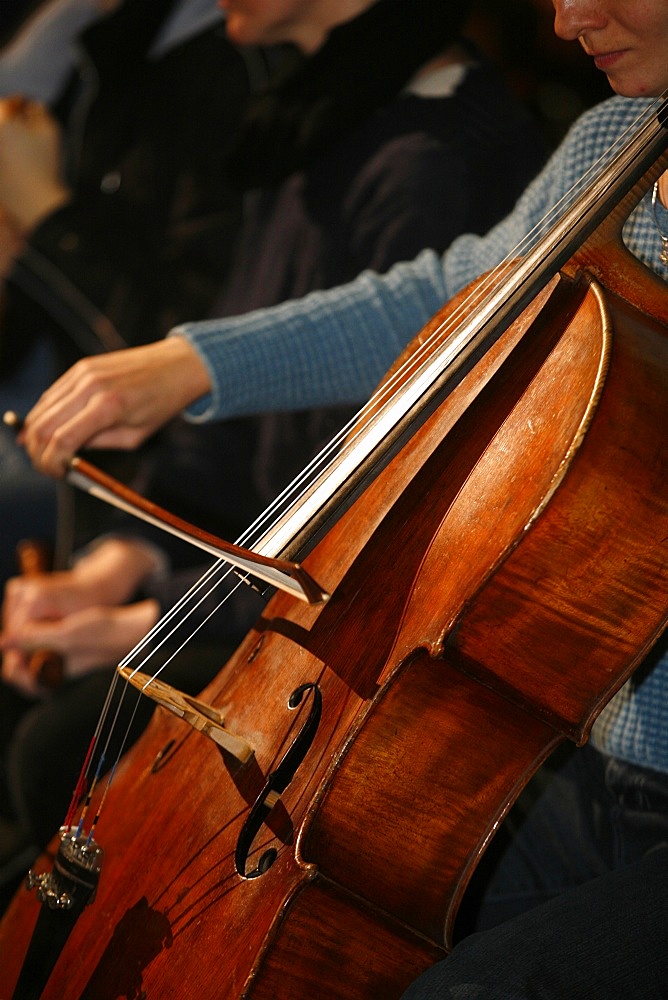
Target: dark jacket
416, 173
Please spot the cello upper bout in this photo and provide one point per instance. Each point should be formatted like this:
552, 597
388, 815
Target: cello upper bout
509, 452
623, 275
605, 257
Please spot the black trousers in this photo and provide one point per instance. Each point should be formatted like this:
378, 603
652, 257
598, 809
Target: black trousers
576, 903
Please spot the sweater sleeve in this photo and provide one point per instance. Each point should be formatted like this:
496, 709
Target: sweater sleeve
328, 348
333, 347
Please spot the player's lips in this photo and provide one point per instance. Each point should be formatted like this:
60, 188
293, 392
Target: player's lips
604, 60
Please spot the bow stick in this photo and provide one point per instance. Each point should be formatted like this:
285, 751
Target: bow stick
287, 576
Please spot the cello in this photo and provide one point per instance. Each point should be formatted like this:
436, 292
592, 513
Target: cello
488, 546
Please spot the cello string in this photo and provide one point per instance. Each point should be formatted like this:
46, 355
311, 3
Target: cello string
203, 621
123, 743
218, 567
81, 784
112, 773
88, 762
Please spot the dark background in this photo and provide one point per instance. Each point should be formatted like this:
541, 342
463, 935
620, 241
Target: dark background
553, 77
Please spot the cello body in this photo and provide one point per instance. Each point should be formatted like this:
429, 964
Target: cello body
491, 590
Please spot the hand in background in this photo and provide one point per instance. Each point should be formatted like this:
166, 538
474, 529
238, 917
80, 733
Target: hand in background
31, 184
87, 640
78, 613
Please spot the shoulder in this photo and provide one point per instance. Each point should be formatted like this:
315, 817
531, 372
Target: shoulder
595, 134
600, 127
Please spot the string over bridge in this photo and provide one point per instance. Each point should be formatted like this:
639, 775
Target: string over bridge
207, 720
